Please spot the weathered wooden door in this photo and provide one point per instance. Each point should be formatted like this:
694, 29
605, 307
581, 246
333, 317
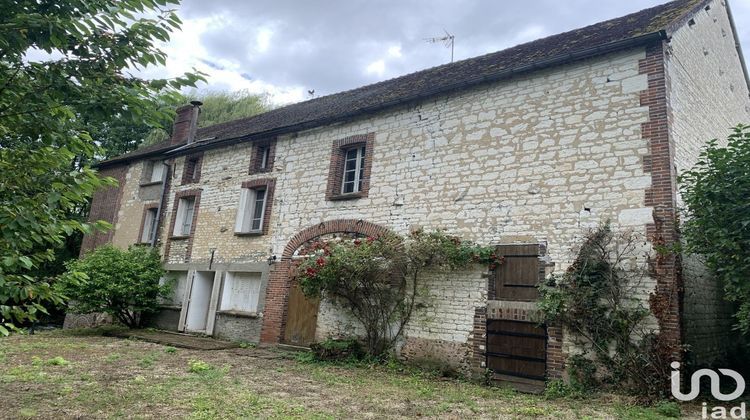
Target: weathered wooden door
517, 352
301, 319
517, 277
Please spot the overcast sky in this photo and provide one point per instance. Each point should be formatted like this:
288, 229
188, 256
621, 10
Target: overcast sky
286, 47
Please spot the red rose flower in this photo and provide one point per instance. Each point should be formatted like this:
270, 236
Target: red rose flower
320, 261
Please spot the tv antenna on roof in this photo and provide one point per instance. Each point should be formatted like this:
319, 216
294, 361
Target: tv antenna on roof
447, 40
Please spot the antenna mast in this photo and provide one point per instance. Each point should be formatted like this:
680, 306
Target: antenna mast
448, 40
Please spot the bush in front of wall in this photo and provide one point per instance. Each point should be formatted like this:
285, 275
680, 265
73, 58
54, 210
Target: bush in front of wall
122, 283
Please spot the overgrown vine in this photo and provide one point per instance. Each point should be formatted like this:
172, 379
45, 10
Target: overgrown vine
377, 279
596, 300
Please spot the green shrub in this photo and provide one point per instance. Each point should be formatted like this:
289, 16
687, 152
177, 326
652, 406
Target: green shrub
338, 349
124, 284
170, 349
717, 222
198, 366
57, 361
668, 409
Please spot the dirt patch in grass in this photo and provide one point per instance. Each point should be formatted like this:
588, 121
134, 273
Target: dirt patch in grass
111, 377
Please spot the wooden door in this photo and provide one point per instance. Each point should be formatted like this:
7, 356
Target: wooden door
301, 319
517, 277
517, 351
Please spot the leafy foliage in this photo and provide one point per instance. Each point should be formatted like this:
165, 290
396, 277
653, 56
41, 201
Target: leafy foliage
223, 106
124, 284
377, 279
595, 299
717, 195
64, 67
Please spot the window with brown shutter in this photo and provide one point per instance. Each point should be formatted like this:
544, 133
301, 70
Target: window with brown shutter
518, 276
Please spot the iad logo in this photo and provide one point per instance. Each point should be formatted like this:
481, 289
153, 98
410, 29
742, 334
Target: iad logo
738, 412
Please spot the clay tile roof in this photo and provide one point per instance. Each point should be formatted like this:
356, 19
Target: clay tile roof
634, 29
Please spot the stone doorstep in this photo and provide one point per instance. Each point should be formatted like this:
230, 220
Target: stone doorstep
169, 338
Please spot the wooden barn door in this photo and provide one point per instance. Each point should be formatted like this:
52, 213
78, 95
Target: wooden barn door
301, 319
517, 278
517, 353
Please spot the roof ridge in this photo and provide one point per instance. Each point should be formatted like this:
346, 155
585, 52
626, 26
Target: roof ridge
459, 62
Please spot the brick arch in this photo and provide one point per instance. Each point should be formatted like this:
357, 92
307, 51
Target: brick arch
334, 226
279, 278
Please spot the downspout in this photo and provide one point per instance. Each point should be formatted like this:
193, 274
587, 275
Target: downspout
157, 222
737, 45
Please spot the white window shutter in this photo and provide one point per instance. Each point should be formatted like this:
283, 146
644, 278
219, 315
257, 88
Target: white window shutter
242, 210
157, 172
179, 220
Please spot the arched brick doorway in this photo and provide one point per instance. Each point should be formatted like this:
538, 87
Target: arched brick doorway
279, 280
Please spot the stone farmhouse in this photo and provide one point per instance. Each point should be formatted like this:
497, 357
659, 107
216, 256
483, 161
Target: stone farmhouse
524, 148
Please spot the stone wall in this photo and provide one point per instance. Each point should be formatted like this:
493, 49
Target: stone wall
708, 96
537, 158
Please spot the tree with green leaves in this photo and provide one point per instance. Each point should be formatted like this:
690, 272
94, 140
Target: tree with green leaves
87, 50
223, 106
124, 284
716, 192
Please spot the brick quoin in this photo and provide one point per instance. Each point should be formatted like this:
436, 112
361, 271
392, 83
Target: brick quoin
279, 279
666, 301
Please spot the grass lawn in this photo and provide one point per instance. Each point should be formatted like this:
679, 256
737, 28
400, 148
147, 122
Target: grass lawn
73, 375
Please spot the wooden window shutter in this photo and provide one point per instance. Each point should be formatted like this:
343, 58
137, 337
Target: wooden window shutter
517, 278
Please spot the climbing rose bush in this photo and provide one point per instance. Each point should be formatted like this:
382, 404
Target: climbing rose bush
377, 279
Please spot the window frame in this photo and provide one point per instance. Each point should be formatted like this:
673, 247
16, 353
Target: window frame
336, 189
178, 214
149, 166
263, 156
191, 169
146, 227
248, 206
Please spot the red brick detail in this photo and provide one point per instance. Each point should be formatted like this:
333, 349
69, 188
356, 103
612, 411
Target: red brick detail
146, 208
178, 195
185, 123
191, 170
336, 170
105, 203
479, 340
666, 301
270, 185
555, 356
257, 157
280, 277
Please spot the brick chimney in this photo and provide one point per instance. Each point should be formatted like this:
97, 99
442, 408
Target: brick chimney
185, 123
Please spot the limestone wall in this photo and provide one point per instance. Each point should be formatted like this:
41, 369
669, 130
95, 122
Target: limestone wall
708, 97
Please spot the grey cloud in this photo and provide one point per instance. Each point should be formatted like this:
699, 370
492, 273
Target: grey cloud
328, 45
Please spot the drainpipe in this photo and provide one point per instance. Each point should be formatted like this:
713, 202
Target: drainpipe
157, 222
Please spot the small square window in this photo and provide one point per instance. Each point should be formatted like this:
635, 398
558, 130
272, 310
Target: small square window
157, 171
241, 292
184, 220
149, 224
